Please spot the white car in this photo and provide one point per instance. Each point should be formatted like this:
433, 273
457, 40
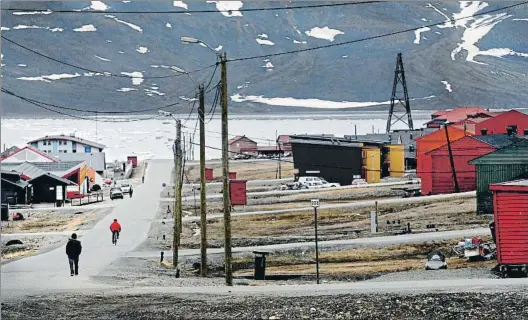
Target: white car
316, 183
125, 187
358, 182
116, 193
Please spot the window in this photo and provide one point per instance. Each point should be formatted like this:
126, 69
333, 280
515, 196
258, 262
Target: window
74, 151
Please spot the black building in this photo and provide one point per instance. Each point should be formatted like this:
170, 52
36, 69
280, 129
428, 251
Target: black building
334, 159
14, 190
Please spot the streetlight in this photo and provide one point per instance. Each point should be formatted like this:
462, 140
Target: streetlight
228, 255
315, 205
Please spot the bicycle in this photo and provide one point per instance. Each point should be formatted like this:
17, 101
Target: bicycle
115, 236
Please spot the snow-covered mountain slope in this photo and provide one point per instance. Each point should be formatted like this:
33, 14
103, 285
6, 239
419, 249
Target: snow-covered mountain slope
475, 61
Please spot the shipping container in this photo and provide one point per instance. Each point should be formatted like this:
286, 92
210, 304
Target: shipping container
429, 142
511, 225
371, 164
396, 160
209, 174
232, 175
505, 164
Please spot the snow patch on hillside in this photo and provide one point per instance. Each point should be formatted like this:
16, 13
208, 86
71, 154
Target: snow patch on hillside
501, 52
127, 89
150, 92
228, 8
263, 36
22, 65
86, 28
309, 103
418, 33
98, 5
447, 86
324, 33
23, 13
302, 42
51, 77
133, 26
180, 4
265, 42
142, 50
219, 48
268, 65
136, 76
22, 27
168, 25
101, 58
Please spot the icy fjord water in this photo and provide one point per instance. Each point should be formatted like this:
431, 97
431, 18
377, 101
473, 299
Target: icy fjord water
152, 139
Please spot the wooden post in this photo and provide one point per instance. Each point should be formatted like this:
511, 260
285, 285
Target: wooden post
203, 201
225, 165
457, 189
177, 195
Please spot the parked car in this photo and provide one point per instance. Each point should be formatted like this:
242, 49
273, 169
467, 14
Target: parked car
316, 182
116, 193
358, 182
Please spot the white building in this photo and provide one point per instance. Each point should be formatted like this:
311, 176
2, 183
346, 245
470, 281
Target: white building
72, 148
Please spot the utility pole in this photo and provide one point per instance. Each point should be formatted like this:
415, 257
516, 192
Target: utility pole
225, 164
203, 202
177, 195
280, 154
457, 189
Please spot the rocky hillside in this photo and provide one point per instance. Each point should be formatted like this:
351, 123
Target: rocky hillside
475, 61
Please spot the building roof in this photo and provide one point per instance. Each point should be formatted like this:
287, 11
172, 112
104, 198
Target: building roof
523, 182
516, 153
461, 113
499, 140
320, 140
35, 169
51, 175
283, 138
70, 138
28, 153
9, 151
236, 138
94, 160
20, 183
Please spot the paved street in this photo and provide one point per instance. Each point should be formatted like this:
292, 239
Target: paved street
51, 271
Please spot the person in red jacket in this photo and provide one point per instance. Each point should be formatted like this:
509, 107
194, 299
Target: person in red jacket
115, 227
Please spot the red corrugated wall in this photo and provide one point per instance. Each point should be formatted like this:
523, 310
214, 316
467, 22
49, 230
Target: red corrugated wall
499, 123
427, 143
463, 150
511, 225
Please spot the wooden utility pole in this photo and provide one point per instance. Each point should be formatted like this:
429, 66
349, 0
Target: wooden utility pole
203, 202
225, 164
177, 195
457, 189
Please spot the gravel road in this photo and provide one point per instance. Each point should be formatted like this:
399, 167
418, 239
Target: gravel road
460, 306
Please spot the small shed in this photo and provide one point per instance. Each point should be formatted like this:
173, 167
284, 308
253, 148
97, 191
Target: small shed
238, 192
238, 143
506, 164
511, 221
44, 187
209, 174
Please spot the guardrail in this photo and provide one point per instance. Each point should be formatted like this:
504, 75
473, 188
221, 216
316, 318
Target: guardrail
87, 199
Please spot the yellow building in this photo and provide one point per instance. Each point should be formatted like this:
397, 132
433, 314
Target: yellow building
395, 159
371, 164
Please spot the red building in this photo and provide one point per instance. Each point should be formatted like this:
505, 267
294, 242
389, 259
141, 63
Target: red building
284, 142
238, 143
510, 201
429, 142
500, 122
463, 150
458, 114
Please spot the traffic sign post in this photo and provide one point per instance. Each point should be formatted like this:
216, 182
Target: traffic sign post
315, 205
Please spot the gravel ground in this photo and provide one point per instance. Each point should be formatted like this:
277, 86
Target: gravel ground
30, 245
463, 306
422, 275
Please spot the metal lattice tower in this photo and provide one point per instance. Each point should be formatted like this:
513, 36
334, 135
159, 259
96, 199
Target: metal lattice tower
399, 104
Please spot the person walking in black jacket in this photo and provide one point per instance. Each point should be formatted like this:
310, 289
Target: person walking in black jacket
73, 251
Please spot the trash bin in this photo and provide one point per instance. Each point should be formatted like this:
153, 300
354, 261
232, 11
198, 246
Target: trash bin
260, 265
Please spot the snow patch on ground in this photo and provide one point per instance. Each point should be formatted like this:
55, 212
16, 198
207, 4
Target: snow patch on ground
228, 8
180, 4
22, 27
418, 33
133, 26
142, 50
137, 77
219, 48
308, 103
324, 33
86, 28
51, 77
22, 13
265, 42
127, 89
101, 58
447, 86
168, 25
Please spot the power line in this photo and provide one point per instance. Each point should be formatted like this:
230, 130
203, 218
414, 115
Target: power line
374, 37
86, 111
98, 71
198, 11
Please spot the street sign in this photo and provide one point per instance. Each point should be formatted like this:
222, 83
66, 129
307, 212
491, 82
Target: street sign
315, 203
